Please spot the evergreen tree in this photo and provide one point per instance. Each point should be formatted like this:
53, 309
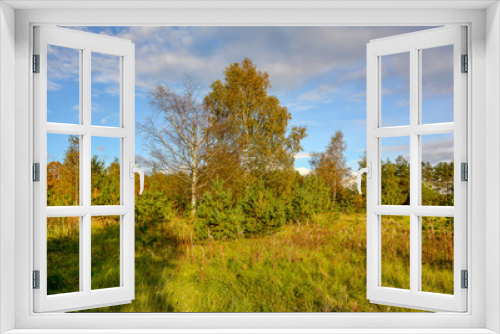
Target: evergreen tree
331, 165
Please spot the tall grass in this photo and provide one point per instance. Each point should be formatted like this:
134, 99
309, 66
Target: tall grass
319, 266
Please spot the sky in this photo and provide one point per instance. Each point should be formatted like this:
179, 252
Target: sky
318, 73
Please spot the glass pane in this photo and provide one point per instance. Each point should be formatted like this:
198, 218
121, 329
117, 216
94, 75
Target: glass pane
105, 90
437, 84
63, 170
105, 167
437, 254
395, 152
63, 255
105, 252
437, 169
395, 233
395, 94
63, 85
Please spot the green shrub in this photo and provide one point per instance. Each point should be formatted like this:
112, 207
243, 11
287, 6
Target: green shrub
311, 196
217, 214
261, 209
152, 212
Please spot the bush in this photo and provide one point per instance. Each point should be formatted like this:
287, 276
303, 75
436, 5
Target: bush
217, 214
152, 212
261, 210
311, 196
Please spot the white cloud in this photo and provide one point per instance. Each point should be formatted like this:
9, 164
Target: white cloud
291, 55
358, 97
405, 102
303, 171
400, 148
323, 94
438, 150
63, 64
303, 155
53, 86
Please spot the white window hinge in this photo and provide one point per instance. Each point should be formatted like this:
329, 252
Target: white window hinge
464, 171
36, 172
465, 279
36, 279
36, 63
465, 64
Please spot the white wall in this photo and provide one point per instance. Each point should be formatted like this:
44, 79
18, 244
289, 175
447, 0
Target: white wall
7, 162
492, 165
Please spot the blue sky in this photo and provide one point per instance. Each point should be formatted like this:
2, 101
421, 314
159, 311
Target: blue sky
319, 73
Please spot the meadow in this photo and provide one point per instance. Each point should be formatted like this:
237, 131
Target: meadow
315, 266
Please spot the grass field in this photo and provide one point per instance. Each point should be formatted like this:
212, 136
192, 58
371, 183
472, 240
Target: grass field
316, 266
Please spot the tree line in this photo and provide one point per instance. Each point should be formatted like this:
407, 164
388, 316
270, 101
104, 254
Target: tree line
225, 162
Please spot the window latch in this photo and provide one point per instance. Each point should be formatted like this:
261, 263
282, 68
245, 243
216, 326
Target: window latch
367, 170
133, 169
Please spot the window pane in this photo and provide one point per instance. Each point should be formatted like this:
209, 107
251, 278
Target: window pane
63, 170
63, 255
437, 254
63, 85
105, 90
395, 233
105, 252
395, 152
437, 169
437, 84
105, 167
395, 94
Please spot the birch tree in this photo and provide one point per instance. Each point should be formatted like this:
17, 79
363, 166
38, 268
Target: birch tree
254, 124
178, 135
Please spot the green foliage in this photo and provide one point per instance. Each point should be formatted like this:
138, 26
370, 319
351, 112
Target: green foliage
261, 209
396, 182
152, 211
311, 196
105, 182
217, 214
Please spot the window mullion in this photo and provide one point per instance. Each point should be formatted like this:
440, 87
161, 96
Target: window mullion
86, 241
414, 172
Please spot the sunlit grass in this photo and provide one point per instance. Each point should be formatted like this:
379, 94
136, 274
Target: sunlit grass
299, 268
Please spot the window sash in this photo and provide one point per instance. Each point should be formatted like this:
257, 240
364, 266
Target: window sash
414, 297
87, 43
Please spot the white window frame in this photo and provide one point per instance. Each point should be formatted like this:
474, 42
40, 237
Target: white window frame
87, 45
413, 44
482, 19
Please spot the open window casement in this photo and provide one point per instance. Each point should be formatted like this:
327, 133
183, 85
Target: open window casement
413, 290
77, 212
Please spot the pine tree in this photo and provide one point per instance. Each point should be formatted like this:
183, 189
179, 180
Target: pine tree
331, 165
